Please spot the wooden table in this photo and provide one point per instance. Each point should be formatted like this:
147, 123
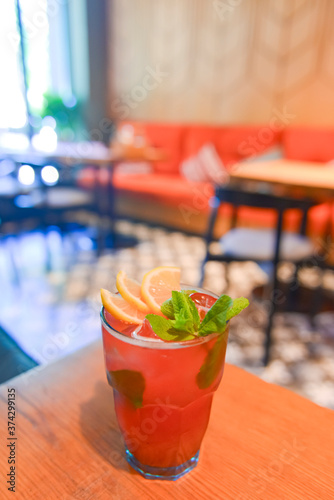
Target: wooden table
85, 153
315, 179
263, 442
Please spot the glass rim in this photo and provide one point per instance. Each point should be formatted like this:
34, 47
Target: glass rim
157, 343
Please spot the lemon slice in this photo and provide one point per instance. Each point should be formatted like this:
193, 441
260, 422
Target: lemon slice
157, 286
120, 308
130, 291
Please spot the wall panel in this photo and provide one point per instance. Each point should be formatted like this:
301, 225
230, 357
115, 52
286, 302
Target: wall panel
222, 61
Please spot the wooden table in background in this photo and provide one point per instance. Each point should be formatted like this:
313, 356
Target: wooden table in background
263, 442
85, 153
314, 179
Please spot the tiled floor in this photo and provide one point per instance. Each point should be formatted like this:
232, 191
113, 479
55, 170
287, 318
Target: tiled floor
50, 302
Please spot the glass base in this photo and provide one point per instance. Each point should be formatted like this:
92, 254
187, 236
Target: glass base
169, 473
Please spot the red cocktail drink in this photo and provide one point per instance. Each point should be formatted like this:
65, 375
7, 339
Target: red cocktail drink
163, 393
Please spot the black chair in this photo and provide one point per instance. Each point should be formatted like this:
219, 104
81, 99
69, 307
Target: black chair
40, 206
271, 245
46, 204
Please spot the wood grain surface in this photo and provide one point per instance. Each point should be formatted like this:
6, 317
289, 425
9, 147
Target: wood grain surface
315, 178
263, 442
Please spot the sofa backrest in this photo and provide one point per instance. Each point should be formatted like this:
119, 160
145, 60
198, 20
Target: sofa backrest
167, 136
233, 143
236, 143
308, 144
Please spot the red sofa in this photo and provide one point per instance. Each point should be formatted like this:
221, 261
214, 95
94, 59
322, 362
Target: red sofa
166, 186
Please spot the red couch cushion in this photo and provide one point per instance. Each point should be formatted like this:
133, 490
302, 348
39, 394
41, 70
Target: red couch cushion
233, 144
240, 142
195, 137
309, 144
192, 198
170, 189
167, 137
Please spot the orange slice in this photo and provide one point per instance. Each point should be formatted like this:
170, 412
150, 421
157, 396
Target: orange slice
157, 286
120, 308
130, 291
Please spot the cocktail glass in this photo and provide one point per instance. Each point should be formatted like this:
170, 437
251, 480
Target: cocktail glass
163, 393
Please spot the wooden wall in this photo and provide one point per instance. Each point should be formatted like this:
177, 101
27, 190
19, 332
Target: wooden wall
222, 61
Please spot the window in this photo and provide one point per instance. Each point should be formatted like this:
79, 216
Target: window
12, 105
46, 41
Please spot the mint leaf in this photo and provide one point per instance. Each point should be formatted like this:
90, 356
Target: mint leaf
165, 329
167, 309
129, 383
212, 365
238, 305
185, 312
189, 292
215, 319
180, 303
183, 321
215, 325
194, 313
162, 327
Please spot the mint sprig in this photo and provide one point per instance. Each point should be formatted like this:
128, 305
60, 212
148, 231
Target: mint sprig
167, 307
129, 383
239, 305
215, 319
166, 329
212, 366
183, 321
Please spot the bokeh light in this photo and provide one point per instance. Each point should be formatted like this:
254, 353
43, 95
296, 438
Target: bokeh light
50, 175
26, 175
46, 140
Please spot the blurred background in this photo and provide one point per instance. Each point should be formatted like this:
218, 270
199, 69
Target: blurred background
183, 132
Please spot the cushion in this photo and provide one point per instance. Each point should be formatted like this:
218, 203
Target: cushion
258, 244
168, 137
275, 153
309, 144
232, 144
195, 137
170, 189
193, 198
205, 166
239, 142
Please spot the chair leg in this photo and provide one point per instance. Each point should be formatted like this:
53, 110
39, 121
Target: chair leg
293, 290
268, 331
202, 272
268, 339
227, 276
318, 296
208, 239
